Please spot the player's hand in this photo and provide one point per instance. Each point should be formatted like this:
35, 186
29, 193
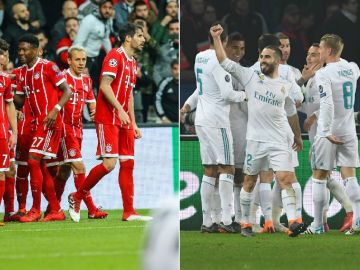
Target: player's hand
183, 111
51, 118
123, 117
216, 30
92, 114
137, 132
12, 140
309, 71
333, 139
298, 144
20, 115
309, 122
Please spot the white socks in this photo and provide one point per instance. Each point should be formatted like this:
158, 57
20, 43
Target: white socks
353, 191
326, 206
289, 203
245, 201
216, 205
277, 204
226, 184
255, 203
237, 207
298, 199
319, 199
206, 192
265, 200
338, 191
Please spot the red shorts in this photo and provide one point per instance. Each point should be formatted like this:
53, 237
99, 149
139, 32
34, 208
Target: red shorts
71, 148
46, 142
114, 141
4, 155
22, 148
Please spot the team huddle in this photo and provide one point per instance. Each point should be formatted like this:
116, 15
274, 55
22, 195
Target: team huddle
249, 133
44, 137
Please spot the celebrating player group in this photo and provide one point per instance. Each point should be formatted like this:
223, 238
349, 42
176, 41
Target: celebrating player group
44, 136
249, 133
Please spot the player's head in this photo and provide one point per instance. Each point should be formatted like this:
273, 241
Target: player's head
270, 58
235, 47
284, 46
313, 55
223, 36
331, 45
175, 69
267, 40
3, 60
77, 59
28, 47
132, 37
5, 47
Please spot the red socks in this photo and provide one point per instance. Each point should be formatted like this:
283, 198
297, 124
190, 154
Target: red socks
22, 185
59, 187
126, 183
2, 189
49, 189
9, 194
36, 180
79, 180
91, 180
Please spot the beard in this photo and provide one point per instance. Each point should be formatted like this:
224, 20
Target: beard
267, 69
24, 21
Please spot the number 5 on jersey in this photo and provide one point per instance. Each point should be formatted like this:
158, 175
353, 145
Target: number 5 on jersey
198, 80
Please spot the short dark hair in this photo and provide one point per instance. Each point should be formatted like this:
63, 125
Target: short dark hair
31, 39
39, 31
4, 45
223, 35
71, 18
139, 3
276, 49
267, 40
175, 20
235, 36
315, 44
102, 2
281, 35
174, 62
128, 29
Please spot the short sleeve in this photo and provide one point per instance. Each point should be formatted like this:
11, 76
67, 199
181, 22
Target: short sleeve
90, 98
8, 95
111, 64
54, 74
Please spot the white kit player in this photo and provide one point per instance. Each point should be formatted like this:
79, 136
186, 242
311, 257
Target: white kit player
269, 143
335, 141
215, 92
311, 107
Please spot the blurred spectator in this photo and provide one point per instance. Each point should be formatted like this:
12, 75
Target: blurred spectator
141, 9
146, 59
69, 9
191, 27
47, 51
122, 11
249, 23
88, 7
20, 27
94, 32
159, 30
71, 28
37, 18
168, 53
345, 23
1, 15
167, 96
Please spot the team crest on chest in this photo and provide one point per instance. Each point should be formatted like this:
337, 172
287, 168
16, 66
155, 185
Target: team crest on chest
282, 90
36, 75
112, 62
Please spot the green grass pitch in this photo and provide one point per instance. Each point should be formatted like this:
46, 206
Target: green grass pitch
333, 250
89, 244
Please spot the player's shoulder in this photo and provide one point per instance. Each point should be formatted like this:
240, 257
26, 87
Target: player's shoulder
206, 57
5, 75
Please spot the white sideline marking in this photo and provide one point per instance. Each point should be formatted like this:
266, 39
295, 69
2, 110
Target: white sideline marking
62, 254
71, 228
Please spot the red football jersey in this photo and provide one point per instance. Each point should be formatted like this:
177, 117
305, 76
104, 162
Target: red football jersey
123, 68
5, 96
82, 92
26, 125
39, 84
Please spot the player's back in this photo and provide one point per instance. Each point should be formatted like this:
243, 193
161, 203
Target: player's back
342, 76
212, 110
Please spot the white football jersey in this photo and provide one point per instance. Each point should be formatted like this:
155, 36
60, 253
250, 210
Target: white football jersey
267, 99
336, 83
238, 110
215, 91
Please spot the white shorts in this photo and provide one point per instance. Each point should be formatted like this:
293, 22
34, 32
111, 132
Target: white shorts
216, 145
295, 160
260, 156
239, 138
326, 155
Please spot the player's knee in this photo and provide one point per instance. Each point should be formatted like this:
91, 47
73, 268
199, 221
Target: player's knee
33, 162
78, 167
64, 172
320, 174
2, 176
109, 163
249, 182
127, 164
12, 172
